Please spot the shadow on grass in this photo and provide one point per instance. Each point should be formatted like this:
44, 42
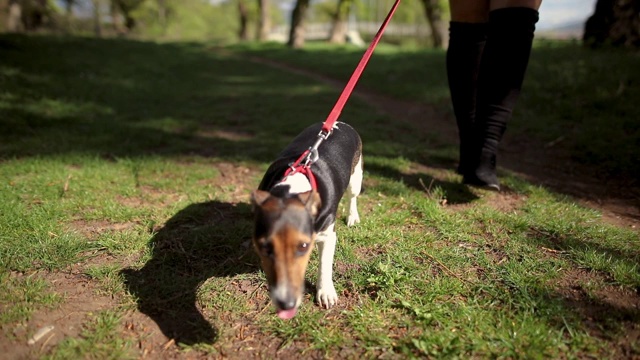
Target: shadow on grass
593, 251
456, 193
610, 313
201, 241
120, 98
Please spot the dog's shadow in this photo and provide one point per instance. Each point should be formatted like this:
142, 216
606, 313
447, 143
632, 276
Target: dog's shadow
201, 241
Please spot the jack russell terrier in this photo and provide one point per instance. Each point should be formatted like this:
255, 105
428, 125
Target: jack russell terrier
290, 216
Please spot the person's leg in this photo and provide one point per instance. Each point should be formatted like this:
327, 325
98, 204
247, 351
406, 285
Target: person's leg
505, 58
467, 36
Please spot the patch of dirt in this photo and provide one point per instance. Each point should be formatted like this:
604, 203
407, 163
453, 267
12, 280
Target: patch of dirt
93, 229
249, 342
241, 179
151, 342
149, 196
507, 202
600, 306
224, 134
80, 301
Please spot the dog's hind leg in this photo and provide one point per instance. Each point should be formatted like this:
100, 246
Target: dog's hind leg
353, 190
326, 293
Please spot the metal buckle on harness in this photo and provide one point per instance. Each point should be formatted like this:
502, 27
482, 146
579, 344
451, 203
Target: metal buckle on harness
324, 135
312, 157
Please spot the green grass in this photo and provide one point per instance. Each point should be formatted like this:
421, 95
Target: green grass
129, 165
100, 339
22, 295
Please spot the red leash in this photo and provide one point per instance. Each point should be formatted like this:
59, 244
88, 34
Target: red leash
311, 155
348, 89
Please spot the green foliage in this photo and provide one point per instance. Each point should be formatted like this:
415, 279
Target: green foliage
377, 10
128, 5
409, 12
188, 20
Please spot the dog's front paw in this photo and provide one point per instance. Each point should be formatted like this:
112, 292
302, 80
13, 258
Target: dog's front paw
327, 296
353, 219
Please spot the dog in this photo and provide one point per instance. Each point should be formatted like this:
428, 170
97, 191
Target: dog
290, 216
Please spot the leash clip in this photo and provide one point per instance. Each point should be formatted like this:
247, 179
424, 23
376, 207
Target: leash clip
325, 134
313, 155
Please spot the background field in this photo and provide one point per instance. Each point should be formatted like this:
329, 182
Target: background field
125, 175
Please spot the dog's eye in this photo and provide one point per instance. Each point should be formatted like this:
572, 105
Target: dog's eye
267, 249
302, 249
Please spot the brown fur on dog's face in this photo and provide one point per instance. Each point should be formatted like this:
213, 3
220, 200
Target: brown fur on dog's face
283, 239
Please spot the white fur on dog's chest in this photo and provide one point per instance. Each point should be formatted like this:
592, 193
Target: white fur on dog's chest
298, 183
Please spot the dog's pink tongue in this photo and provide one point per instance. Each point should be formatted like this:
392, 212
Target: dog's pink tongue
286, 314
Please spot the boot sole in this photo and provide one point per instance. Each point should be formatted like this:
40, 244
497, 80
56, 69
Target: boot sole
481, 185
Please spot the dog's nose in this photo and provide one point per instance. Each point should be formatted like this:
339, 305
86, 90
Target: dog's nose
287, 303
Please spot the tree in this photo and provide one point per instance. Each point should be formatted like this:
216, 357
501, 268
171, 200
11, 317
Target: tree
14, 20
296, 32
125, 7
97, 18
264, 20
32, 14
243, 32
614, 21
338, 33
68, 13
433, 11
162, 15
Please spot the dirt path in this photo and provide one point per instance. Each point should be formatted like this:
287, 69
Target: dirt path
548, 165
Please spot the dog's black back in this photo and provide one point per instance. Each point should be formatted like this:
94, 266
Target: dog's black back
338, 155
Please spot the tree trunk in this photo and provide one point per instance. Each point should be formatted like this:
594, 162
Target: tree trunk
68, 14
97, 19
125, 7
338, 33
35, 13
296, 33
264, 21
614, 21
116, 17
162, 15
243, 32
14, 20
433, 11
129, 21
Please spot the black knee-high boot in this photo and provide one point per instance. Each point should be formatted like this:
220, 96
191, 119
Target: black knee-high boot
504, 62
466, 42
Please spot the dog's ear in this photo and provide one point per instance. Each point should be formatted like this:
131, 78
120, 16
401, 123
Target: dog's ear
258, 197
311, 201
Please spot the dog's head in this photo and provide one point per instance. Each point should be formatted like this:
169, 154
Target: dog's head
283, 238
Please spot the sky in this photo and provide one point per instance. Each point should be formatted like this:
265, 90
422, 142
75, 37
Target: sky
554, 13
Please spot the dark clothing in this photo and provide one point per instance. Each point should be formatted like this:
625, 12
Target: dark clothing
486, 64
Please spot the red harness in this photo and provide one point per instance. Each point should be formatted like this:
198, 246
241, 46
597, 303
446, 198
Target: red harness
304, 162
